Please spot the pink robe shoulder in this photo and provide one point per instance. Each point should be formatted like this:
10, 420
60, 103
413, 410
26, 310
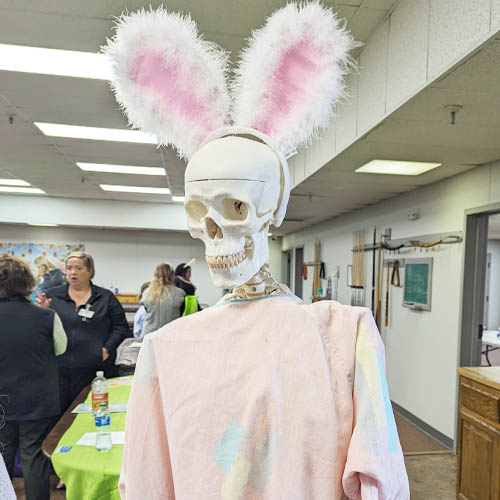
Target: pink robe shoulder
264, 399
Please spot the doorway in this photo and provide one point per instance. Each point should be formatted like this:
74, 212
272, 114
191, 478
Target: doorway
286, 268
299, 262
477, 305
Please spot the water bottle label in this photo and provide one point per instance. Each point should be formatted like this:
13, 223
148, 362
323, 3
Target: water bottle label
97, 399
102, 420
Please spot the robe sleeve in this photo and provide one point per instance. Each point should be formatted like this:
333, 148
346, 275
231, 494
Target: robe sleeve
375, 468
146, 468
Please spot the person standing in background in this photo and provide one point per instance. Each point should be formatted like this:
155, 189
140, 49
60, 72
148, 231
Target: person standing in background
140, 314
183, 279
30, 340
51, 275
162, 300
94, 321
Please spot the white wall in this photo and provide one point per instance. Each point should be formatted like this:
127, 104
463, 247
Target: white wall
275, 257
494, 292
421, 347
125, 259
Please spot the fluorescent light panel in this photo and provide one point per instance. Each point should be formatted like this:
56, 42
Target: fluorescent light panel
26, 190
393, 167
14, 182
42, 224
134, 189
178, 198
95, 133
54, 62
121, 169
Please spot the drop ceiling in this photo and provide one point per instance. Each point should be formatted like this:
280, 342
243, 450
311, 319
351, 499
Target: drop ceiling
419, 130
49, 163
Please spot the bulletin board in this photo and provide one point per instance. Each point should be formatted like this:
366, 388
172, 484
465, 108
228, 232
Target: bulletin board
56, 253
418, 284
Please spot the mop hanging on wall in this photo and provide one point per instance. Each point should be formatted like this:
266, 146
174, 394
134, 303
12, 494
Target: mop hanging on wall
358, 268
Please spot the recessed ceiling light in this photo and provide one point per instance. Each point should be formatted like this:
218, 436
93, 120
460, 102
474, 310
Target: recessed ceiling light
95, 133
134, 189
121, 169
178, 198
14, 182
26, 190
54, 62
394, 167
42, 224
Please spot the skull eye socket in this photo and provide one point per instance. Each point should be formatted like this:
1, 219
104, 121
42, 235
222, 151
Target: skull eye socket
233, 209
196, 210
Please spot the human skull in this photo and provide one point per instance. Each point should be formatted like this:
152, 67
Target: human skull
233, 190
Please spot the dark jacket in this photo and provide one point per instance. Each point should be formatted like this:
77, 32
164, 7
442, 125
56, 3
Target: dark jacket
29, 380
107, 328
189, 288
51, 280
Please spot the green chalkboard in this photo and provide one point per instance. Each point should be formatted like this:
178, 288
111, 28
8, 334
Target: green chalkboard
418, 283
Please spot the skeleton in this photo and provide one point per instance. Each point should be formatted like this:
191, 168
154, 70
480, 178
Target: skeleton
231, 213
172, 83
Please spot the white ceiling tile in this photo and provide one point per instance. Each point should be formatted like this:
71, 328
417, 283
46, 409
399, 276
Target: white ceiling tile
407, 42
372, 79
454, 26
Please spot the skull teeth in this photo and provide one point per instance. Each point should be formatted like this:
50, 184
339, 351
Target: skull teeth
225, 261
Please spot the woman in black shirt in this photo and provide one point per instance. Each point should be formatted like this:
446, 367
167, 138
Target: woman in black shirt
95, 324
183, 280
183, 277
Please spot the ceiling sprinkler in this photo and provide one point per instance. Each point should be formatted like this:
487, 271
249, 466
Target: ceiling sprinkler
453, 109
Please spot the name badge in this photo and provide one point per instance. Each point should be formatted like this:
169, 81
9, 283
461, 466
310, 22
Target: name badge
86, 313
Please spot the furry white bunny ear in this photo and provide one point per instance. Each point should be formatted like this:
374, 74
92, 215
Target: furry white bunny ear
168, 80
291, 75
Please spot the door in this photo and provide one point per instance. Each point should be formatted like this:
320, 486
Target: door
479, 456
474, 281
286, 268
299, 261
487, 293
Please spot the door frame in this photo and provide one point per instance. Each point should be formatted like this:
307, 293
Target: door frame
473, 282
297, 272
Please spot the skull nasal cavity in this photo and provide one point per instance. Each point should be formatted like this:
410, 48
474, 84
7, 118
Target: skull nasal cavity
213, 230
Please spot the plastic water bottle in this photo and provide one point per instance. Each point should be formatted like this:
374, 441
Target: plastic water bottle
100, 392
103, 428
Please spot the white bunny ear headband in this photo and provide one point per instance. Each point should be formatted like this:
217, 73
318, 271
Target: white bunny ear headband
172, 83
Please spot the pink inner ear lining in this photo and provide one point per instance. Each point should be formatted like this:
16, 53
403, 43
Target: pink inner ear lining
290, 85
149, 70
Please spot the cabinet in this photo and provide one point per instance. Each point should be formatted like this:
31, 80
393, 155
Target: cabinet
478, 447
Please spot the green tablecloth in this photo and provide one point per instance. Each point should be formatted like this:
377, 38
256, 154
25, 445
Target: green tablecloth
87, 473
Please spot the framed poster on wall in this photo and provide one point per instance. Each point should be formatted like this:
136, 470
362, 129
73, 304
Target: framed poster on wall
418, 284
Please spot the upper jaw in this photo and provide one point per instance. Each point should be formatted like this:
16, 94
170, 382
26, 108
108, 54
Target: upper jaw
222, 262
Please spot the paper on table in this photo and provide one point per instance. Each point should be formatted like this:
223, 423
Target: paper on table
89, 438
113, 408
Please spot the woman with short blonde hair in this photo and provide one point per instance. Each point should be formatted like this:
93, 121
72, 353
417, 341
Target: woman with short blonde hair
162, 300
94, 321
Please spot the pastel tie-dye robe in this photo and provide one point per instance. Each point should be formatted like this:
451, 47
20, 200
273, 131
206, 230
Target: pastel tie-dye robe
263, 399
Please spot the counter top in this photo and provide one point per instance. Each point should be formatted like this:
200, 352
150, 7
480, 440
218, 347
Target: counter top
487, 375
